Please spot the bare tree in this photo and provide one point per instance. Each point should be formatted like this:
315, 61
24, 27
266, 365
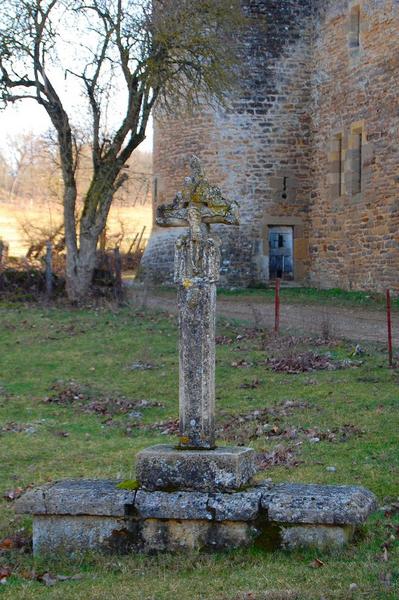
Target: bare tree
125, 56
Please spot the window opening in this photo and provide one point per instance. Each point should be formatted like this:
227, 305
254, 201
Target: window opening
340, 166
355, 27
357, 162
156, 189
284, 194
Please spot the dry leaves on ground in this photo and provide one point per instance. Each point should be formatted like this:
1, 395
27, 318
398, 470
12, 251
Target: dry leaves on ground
308, 362
279, 456
89, 400
317, 564
252, 385
46, 578
18, 541
11, 495
13, 427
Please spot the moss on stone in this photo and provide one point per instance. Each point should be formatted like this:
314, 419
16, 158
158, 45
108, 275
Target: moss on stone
129, 484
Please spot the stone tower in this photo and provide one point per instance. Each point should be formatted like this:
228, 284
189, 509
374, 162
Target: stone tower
258, 151
309, 148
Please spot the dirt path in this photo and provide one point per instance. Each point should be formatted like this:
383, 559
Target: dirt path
350, 323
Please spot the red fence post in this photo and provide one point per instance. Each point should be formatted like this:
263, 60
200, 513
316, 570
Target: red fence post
389, 325
277, 307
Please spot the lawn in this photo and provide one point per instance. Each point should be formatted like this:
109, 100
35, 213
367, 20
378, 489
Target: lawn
306, 295
81, 391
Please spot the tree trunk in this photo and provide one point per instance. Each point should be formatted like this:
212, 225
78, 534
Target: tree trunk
80, 268
81, 259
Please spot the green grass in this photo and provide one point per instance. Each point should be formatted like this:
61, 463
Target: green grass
305, 295
40, 346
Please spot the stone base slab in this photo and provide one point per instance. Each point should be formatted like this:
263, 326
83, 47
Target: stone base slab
165, 467
75, 516
74, 534
320, 537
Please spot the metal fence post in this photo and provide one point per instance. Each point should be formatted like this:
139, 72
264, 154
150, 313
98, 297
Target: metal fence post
277, 306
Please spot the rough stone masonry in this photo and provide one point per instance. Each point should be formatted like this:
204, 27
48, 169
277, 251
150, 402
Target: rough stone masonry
194, 495
308, 144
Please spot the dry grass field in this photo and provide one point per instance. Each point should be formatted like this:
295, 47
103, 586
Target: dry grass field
13, 215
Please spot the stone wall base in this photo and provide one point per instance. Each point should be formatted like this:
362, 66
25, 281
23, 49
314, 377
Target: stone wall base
76, 534
75, 516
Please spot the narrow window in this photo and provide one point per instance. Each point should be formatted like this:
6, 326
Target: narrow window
156, 189
284, 194
357, 174
354, 37
340, 149
336, 165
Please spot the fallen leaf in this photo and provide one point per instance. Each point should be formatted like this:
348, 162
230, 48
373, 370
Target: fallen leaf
47, 579
11, 495
317, 564
18, 541
255, 383
5, 572
385, 555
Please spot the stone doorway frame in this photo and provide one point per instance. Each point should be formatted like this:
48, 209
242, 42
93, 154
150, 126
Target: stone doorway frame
300, 246
282, 230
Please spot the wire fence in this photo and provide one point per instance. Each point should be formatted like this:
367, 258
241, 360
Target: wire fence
287, 317
348, 323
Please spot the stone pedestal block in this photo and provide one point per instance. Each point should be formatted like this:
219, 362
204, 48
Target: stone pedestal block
75, 516
168, 468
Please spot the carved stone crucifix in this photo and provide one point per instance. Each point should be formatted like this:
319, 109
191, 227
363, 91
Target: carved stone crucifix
197, 264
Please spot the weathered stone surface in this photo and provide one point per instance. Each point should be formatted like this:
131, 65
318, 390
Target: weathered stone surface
318, 504
74, 516
73, 534
197, 323
236, 506
197, 265
305, 87
77, 497
167, 468
172, 505
196, 535
239, 506
316, 536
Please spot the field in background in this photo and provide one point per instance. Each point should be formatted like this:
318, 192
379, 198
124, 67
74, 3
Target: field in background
72, 386
131, 219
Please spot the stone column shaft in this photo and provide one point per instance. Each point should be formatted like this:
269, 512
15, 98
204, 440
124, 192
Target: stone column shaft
197, 270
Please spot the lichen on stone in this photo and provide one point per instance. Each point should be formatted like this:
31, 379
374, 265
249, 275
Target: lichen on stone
129, 484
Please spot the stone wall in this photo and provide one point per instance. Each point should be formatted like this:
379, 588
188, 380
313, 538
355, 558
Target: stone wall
354, 233
258, 151
310, 143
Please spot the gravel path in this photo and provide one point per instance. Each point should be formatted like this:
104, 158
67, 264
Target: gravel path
350, 323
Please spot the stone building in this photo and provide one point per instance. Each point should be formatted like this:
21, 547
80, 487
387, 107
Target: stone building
308, 147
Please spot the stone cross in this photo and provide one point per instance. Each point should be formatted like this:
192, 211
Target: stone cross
197, 264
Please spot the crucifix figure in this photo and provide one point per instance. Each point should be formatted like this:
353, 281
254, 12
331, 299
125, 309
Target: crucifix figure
197, 264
